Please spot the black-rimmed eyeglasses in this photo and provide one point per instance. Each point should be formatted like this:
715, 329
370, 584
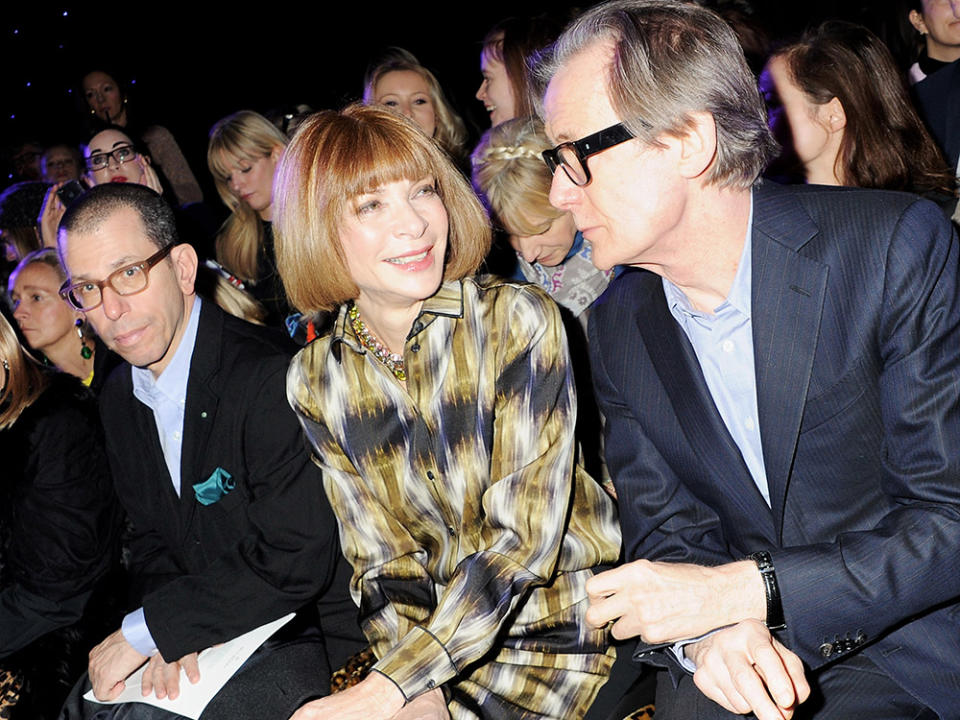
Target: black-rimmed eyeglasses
128, 280
120, 155
572, 156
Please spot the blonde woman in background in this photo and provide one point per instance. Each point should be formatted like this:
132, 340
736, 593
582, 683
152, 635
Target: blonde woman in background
511, 178
400, 82
242, 154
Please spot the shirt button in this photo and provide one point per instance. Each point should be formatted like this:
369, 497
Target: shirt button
749, 424
415, 347
431, 684
429, 474
176, 435
727, 346
450, 531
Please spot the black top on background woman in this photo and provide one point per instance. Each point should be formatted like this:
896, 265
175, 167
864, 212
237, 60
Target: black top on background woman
59, 527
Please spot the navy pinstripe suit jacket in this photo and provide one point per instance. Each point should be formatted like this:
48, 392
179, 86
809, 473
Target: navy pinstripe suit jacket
856, 327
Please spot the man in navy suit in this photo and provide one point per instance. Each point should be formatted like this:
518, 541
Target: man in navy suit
781, 386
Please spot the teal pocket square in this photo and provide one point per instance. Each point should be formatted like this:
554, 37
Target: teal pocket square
214, 487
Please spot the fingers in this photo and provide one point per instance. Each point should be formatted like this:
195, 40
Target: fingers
745, 669
191, 666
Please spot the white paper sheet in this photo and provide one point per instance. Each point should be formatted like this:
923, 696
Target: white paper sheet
217, 666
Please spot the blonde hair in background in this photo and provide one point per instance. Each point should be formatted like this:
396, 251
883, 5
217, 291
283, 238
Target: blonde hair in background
337, 156
22, 380
244, 135
511, 178
211, 284
450, 132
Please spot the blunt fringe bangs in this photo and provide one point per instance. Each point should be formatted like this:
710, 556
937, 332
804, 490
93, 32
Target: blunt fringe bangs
335, 157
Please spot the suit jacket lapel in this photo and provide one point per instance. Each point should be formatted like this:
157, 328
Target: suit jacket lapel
676, 363
201, 406
787, 299
158, 493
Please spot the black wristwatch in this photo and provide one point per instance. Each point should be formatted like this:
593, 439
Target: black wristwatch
774, 607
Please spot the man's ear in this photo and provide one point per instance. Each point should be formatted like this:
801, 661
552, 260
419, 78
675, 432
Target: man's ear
698, 145
185, 262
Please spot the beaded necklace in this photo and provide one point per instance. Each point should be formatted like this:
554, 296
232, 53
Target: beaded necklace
393, 361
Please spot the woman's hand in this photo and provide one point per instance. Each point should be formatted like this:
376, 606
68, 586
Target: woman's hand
429, 706
374, 698
150, 177
50, 215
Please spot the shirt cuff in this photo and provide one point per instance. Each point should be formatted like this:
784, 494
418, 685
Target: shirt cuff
137, 634
417, 664
680, 654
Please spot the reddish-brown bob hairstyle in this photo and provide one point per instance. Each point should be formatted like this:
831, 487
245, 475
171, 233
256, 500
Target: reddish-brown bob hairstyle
336, 157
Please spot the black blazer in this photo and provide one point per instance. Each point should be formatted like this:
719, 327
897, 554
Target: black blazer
209, 573
59, 518
856, 330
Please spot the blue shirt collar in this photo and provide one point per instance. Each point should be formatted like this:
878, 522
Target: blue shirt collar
739, 296
173, 380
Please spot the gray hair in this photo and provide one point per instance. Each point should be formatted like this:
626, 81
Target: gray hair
671, 59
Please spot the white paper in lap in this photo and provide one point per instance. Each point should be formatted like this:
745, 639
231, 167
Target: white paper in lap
217, 666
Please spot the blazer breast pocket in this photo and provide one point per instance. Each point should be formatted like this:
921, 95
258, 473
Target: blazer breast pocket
838, 398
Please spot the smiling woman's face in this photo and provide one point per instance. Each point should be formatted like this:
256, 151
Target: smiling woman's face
394, 239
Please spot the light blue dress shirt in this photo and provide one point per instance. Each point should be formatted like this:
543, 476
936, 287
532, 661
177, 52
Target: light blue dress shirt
723, 344
167, 397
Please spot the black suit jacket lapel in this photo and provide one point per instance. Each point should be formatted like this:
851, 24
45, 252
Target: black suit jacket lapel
676, 363
787, 300
144, 439
201, 405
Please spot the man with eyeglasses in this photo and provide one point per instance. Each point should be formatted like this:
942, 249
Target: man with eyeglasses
230, 525
781, 386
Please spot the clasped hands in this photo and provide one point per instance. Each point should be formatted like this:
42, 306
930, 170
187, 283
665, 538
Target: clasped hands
741, 667
114, 659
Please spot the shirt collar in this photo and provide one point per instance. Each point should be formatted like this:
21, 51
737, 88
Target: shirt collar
739, 296
172, 382
447, 301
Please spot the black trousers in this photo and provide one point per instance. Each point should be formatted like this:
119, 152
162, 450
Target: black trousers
278, 678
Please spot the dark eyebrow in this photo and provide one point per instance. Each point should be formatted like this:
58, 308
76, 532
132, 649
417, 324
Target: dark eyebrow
115, 265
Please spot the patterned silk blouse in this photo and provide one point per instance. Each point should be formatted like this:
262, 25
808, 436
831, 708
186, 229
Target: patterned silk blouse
470, 531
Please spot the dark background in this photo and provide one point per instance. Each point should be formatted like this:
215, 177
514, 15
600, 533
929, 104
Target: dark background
187, 65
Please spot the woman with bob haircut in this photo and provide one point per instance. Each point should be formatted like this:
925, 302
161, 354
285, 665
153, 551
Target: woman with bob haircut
442, 411
398, 81
59, 530
243, 151
851, 118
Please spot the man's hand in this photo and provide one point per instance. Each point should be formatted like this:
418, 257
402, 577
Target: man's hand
163, 678
111, 662
373, 698
429, 706
665, 602
745, 669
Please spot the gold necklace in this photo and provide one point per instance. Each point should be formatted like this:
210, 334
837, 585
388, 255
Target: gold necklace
381, 352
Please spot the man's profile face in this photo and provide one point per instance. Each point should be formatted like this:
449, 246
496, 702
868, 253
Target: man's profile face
635, 197
145, 328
